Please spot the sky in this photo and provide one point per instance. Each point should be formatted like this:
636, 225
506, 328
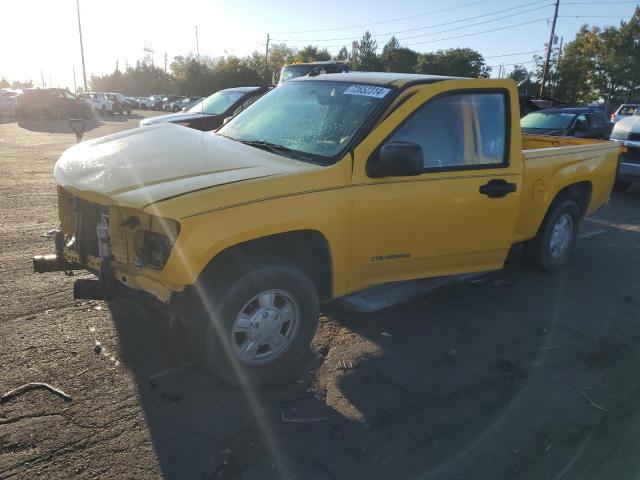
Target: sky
39, 38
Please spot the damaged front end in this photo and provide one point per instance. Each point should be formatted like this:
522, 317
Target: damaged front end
120, 245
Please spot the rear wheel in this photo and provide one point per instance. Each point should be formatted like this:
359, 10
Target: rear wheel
621, 185
104, 111
553, 244
259, 324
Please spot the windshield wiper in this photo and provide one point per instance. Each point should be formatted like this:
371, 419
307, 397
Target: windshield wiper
272, 147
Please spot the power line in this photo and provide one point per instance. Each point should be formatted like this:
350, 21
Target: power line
591, 16
445, 38
477, 33
514, 54
476, 24
598, 3
333, 29
436, 25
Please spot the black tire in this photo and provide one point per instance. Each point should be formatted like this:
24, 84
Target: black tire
104, 111
128, 112
621, 185
538, 251
211, 333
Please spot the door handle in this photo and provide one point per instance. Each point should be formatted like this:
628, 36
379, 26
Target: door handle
498, 188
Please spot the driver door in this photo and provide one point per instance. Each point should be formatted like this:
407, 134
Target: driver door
439, 222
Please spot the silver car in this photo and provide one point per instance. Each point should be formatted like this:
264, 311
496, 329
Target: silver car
627, 132
625, 110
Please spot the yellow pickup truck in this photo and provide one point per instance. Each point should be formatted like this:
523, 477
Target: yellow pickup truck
325, 187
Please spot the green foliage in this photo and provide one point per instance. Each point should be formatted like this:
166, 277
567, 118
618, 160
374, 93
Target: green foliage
456, 62
368, 59
312, 53
395, 58
342, 56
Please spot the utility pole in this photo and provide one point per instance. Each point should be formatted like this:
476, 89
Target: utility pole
266, 57
165, 62
42, 78
84, 71
197, 44
552, 34
75, 86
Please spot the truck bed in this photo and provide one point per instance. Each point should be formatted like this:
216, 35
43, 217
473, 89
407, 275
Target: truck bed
550, 163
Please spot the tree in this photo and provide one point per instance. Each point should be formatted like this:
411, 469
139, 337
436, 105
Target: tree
311, 53
342, 56
4, 83
368, 59
455, 62
524, 80
17, 85
395, 58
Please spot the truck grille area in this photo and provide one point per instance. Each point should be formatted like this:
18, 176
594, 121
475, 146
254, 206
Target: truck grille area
87, 215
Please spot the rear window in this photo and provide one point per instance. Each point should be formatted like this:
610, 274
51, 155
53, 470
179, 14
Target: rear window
628, 110
547, 120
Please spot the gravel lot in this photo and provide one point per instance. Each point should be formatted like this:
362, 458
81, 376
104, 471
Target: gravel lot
517, 375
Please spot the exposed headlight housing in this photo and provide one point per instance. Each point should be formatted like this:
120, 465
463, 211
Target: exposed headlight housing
155, 241
156, 249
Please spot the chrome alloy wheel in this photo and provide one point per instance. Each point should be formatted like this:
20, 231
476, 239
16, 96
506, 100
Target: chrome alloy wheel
265, 327
561, 235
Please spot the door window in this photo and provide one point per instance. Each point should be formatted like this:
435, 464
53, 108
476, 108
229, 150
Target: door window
459, 130
581, 123
597, 121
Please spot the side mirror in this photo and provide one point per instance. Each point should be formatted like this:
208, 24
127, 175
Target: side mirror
396, 159
227, 120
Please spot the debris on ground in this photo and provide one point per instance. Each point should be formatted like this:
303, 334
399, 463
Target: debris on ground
386, 334
502, 282
453, 352
553, 347
345, 364
50, 233
286, 419
153, 379
97, 347
32, 386
593, 404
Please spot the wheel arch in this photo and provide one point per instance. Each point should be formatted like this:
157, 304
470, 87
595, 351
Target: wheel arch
306, 249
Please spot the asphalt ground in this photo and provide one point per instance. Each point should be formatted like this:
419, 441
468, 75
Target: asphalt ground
517, 375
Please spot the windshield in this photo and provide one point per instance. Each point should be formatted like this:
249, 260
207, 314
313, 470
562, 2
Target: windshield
317, 118
547, 120
287, 73
217, 103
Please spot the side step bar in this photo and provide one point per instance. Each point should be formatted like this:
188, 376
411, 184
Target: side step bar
390, 294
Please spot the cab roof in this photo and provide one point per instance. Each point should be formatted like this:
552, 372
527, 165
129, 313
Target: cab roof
388, 79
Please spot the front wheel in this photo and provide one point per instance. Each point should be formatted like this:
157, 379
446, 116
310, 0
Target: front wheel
552, 246
260, 324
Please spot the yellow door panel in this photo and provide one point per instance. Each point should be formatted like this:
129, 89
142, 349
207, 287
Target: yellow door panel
436, 223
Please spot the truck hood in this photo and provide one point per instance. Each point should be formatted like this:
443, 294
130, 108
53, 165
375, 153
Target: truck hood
174, 118
145, 165
628, 124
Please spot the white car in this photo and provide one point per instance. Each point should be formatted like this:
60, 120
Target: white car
625, 110
627, 133
99, 102
8, 101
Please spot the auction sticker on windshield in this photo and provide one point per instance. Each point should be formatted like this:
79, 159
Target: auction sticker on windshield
367, 91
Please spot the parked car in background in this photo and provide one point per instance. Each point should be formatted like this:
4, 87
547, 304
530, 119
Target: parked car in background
120, 103
627, 132
209, 113
295, 70
183, 104
150, 101
52, 103
133, 101
99, 102
625, 110
166, 101
567, 122
8, 102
